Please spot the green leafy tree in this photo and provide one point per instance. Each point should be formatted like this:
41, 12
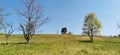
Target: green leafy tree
91, 25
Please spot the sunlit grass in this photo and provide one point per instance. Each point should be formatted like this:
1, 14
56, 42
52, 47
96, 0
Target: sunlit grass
60, 45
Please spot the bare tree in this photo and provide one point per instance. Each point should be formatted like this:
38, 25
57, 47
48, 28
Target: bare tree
32, 18
1, 18
119, 28
118, 25
8, 29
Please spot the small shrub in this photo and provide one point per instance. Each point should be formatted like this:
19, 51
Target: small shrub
119, 35
114, 36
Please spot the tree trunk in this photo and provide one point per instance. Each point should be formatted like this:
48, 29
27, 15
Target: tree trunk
6, 39
91, 35
28, 40
91, 38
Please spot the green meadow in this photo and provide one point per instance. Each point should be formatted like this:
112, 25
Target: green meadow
51, 44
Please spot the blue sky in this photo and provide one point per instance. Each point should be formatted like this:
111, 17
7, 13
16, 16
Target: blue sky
70, 14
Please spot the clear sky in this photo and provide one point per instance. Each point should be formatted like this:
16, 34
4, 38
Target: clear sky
71, 14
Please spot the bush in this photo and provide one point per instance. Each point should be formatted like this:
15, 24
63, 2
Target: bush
114, 36
119, 35
70, 33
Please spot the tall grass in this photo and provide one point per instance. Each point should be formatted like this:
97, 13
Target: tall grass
60, 45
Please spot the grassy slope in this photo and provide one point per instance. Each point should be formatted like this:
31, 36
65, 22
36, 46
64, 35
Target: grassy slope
60, 45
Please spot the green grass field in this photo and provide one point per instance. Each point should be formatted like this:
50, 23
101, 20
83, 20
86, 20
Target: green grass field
60, 45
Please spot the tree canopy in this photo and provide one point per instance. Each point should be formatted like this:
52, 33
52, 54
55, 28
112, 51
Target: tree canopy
91, 25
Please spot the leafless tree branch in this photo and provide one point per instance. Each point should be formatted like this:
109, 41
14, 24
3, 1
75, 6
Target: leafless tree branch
32, 18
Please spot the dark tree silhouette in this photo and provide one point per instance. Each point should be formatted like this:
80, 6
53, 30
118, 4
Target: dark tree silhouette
64, 30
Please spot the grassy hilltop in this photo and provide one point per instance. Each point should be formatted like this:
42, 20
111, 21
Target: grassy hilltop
60, 45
